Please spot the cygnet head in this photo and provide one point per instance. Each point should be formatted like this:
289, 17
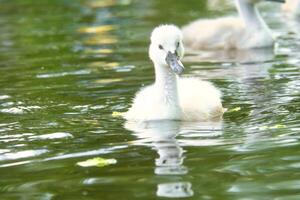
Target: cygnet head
166, 48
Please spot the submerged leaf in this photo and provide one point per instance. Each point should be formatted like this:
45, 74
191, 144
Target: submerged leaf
97, 162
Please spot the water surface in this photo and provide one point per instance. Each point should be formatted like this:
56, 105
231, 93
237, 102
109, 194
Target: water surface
66, 66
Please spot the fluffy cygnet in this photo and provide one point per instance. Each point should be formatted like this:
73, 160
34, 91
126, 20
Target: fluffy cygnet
171, 97
244, 32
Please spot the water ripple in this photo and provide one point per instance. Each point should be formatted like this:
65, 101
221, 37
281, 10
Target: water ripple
20, 109
51, 136
88, 153
61, 74
22, 154
4, 97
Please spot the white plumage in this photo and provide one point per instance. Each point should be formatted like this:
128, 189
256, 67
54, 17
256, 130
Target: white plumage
292, 7
244, 32
172, 97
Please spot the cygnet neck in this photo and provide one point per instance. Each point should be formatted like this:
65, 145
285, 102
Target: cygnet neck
166, 83
251, 16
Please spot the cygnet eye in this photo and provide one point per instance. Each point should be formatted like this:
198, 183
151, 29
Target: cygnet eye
160, 47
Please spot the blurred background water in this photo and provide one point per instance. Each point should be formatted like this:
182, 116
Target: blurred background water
66, 66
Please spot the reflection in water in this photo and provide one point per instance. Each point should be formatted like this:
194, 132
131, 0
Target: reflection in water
162, 137
293, 36
99, 36
175, 190
220, 4
239, 56
107, 3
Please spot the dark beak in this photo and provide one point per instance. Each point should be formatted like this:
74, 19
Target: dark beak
278, 1
174, 63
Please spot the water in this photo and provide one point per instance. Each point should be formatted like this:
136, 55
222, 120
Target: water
66, 66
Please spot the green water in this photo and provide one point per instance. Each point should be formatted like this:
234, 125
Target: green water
67, 65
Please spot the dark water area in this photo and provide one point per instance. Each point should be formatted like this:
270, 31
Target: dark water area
66, 66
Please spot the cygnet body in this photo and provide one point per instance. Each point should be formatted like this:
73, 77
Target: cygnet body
292, 7
244, 32
171, 97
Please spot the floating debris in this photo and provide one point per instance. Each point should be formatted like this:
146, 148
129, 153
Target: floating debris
97, 162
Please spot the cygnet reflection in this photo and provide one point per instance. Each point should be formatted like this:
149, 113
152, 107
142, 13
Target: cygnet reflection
240, 56
161, 136
175, 190
237, 68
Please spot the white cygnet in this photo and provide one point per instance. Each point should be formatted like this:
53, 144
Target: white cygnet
292, 7
244, 32
172, 97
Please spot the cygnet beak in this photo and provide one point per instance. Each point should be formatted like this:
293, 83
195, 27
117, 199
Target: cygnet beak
174, 63
279, 1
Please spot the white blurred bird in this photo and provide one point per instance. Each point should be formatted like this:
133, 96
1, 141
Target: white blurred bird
244, 32
171, 97
292, 7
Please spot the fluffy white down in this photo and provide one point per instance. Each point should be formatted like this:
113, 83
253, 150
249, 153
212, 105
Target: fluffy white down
292, 7
172, 97
198, 101
149, 104
244, 32
224, 33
